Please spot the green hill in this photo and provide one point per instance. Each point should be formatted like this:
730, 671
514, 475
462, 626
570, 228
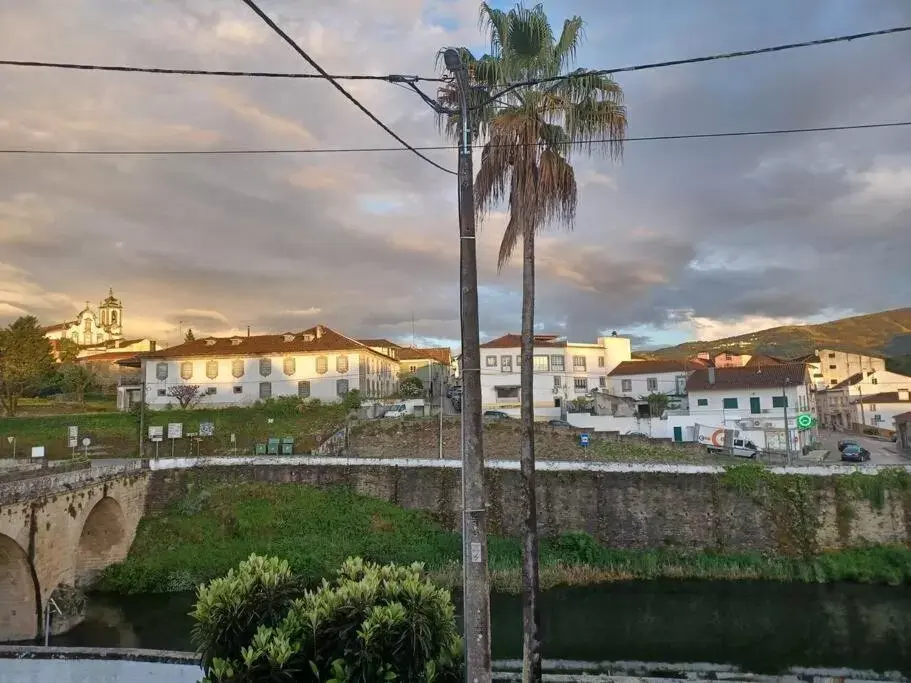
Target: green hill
887, 333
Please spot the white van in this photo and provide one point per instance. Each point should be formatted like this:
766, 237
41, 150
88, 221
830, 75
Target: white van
398, 410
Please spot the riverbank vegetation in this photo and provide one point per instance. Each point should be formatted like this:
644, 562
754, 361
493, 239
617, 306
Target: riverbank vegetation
213, 528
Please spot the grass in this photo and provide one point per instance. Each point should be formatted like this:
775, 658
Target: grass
117, 433
211, 530
631, 450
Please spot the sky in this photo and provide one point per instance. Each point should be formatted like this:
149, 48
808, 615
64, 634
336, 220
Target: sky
679, 240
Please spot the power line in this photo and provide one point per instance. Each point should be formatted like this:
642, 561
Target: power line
297, 48
390, 78
426, 148
693, 60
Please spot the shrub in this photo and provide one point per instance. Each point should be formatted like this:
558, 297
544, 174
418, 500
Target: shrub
372, 623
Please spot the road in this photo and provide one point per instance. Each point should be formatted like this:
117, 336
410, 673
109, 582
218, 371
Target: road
881, 452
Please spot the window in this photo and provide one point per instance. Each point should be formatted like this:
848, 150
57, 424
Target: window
211, 391
322, 365
872, 406
341, 364
289, 366
87, 328
626, 385
556, 364
186, 370
600, 361
817, 375
651, 384
702, 402
265, 367
490, 361
729, 403
113, 317
578, 363
833, 381
237, 368
505, 363
99, 338
75, 336
212, 369
238, 389
557, 382
602, 382
162, 392
874, 381
265, 389
507, 393
580, 384
831, 355
341, 387
728, 356
161, 371
412, 368
518, 361
541, 363
833, 367
877, 418
303, 389
779, 401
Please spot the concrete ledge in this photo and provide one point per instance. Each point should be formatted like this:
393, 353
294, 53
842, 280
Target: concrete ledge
36, 486
121, 654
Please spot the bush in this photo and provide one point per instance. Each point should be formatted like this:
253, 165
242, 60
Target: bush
372, 623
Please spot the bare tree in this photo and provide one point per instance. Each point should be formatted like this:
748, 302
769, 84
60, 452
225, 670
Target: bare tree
187, 395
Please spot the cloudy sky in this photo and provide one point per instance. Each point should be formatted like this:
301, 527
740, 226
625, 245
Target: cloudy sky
682, 239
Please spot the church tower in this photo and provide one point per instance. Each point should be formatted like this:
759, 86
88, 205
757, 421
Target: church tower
111, 310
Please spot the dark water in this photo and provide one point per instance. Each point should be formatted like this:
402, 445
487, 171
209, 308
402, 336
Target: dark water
759, 627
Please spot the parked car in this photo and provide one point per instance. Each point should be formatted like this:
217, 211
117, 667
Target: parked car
846, 442
855, 453
496, 415
558, 423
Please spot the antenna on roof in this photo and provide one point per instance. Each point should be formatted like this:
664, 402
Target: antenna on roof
248, 330
412, 330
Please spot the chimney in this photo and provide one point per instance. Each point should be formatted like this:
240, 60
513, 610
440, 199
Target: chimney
903, 395
711, 375
319, 331
248, 330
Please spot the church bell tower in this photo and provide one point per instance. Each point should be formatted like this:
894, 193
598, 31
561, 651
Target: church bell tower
111, 310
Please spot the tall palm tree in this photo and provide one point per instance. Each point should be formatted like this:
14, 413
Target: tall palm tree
530, 134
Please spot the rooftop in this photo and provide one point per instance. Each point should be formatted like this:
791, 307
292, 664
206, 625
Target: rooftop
640, 367
884, 397
383, 343
762, 377
514, 341
440, 355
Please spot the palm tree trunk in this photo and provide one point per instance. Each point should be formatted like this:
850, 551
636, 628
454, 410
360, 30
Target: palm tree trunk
531, 645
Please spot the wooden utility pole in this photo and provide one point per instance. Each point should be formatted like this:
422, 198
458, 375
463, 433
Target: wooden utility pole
476, 582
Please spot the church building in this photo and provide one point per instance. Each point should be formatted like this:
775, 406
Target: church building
92, 327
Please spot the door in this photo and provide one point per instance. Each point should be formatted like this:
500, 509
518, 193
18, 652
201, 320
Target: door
678, 434
754, 405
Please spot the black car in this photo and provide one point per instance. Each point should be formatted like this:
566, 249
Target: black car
845, 443
496, 415
855, 453
558, 423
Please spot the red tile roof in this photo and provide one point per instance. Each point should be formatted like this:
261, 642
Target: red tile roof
763, 377
641, 367
440, 355
763, 360
58, 326
850, 382
514, 341
109, 357
883, 397
383, 343
903, 417
322, 338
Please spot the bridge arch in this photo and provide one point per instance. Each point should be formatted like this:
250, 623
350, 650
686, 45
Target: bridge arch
19, 613
104, 540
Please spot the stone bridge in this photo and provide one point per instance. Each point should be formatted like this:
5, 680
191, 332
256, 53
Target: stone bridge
62, 529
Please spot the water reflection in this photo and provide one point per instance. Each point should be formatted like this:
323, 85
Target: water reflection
759, 627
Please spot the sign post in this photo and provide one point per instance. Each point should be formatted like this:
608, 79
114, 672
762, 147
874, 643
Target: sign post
72, 433
584, 439
86, 442
11, 440
175, 431
156, 435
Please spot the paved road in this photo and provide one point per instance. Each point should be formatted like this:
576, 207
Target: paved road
881, 452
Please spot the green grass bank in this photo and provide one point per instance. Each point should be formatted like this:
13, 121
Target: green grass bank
213, 528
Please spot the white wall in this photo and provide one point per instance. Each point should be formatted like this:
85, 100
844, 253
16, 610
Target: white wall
667, 383
886, 411
366, 372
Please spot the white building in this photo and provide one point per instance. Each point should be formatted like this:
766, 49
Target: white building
880, 410
637, 379
837, 366
92, 326
316, 363
563, 370
755, 401
836, 405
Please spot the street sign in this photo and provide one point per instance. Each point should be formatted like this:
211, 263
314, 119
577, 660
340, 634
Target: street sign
72, 442
72, 432
156, 434
86, 441
207, 429
583, 439
175, 430
805, 421
37, 451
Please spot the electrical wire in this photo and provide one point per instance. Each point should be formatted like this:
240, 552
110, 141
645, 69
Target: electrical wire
390, 78
692, 60
360, 150
297, 48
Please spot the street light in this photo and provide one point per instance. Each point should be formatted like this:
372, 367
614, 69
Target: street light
787, 433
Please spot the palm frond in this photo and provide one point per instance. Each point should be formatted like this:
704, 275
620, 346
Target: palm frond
597, 125
570, 38
557, 193
495, 23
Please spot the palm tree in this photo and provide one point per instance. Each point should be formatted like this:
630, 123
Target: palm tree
530, 134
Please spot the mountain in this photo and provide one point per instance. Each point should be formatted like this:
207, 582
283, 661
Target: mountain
886, 334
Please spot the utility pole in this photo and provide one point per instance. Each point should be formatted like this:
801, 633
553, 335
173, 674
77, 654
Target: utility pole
475, 579
863, 416
787, 433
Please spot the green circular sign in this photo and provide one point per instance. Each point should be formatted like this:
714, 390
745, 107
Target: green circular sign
804, 421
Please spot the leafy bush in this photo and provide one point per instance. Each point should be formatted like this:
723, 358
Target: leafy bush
411, 387
372, 623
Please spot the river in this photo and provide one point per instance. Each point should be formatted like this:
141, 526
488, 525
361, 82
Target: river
755, 626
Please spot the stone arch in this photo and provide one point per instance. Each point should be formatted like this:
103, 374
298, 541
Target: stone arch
104, 540
19, 613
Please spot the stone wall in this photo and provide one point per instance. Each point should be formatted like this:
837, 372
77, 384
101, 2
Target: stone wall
640, 508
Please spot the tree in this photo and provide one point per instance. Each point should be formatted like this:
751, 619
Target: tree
411, 387
189, 336
78, 379
372, 623
26, 361
67, 351
352, 400
657, 403
186, 394
530, 133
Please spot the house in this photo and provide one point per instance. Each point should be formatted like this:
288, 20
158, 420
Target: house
878, 411
730, 359
316, 363
836, 366
563, 370
814, 367
836, 404
615, 406
118, 346
902, 423
636, 379
762, 402
431, 366
384, 346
